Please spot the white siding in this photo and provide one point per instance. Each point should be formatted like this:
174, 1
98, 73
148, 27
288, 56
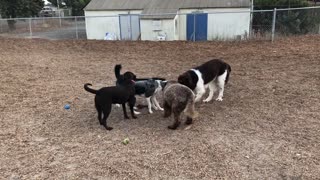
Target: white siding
221, 26
150, 32
224, 26
97, 27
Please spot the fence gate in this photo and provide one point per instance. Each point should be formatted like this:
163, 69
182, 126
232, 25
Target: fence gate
197, 26
129, 27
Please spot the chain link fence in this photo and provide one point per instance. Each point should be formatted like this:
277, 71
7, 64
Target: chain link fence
297, 21
44, 27
194, 26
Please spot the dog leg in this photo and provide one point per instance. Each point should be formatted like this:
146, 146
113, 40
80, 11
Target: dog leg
221, 81
99, 110
176, 121
149, 105
106, 111
135, 110
188, 121
153, 104
157, 103
132, 102
167, 110
212, 89
125, 111
200, 90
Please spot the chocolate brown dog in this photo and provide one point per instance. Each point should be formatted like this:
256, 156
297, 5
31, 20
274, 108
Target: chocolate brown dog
178, 98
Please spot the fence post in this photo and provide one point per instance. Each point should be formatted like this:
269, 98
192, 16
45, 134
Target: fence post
0, 25
77, 36
273, 23
251, 20
30, 28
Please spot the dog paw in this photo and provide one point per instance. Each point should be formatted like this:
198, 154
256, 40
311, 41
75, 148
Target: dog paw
134, 117
150, 112
109, 128
135, 108
172, 127
206, 100
161, 109
126, 117
118, 105
219, 99
188, 121
136, 112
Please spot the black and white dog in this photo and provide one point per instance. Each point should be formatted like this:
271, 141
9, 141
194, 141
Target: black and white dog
149, 88
213, 74
145, 87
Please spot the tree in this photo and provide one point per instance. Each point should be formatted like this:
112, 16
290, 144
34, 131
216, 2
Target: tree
271, 4
287, 22
76, 5
19, 8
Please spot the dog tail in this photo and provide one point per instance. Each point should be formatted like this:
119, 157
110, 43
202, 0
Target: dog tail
228, 73
117, 69
190, 109
90, 90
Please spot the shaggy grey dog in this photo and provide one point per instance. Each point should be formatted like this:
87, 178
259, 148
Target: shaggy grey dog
178, 98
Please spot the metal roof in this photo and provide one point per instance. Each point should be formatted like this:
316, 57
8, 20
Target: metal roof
95, 5
159, 13
162, 6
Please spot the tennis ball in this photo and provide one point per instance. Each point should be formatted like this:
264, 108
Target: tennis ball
125, 141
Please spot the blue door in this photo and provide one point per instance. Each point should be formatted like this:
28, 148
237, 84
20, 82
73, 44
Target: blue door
197, 27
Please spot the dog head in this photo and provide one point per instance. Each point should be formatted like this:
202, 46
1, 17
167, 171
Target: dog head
129, 77
160, 85
185, 79
188, 79
163, 84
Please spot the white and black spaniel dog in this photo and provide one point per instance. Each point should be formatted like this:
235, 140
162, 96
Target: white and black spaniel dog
213, 74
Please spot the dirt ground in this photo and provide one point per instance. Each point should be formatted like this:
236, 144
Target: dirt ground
267, 127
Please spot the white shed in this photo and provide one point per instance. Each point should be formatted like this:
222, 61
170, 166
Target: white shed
169, 19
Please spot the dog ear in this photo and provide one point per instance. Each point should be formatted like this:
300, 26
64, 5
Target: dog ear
189, 79
182, 79
185, 79
163, 84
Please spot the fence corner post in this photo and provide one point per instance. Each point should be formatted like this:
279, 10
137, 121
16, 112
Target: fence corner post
77, 35
30, 28
273, 23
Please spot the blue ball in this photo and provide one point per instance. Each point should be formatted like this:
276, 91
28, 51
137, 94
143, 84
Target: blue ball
67, 106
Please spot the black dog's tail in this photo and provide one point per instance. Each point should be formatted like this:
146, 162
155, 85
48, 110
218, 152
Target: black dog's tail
228, 73
90, 90
117, 69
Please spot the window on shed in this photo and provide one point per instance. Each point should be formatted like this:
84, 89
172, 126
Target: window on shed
156, 24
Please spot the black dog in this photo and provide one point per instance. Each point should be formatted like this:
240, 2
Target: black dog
120, 94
